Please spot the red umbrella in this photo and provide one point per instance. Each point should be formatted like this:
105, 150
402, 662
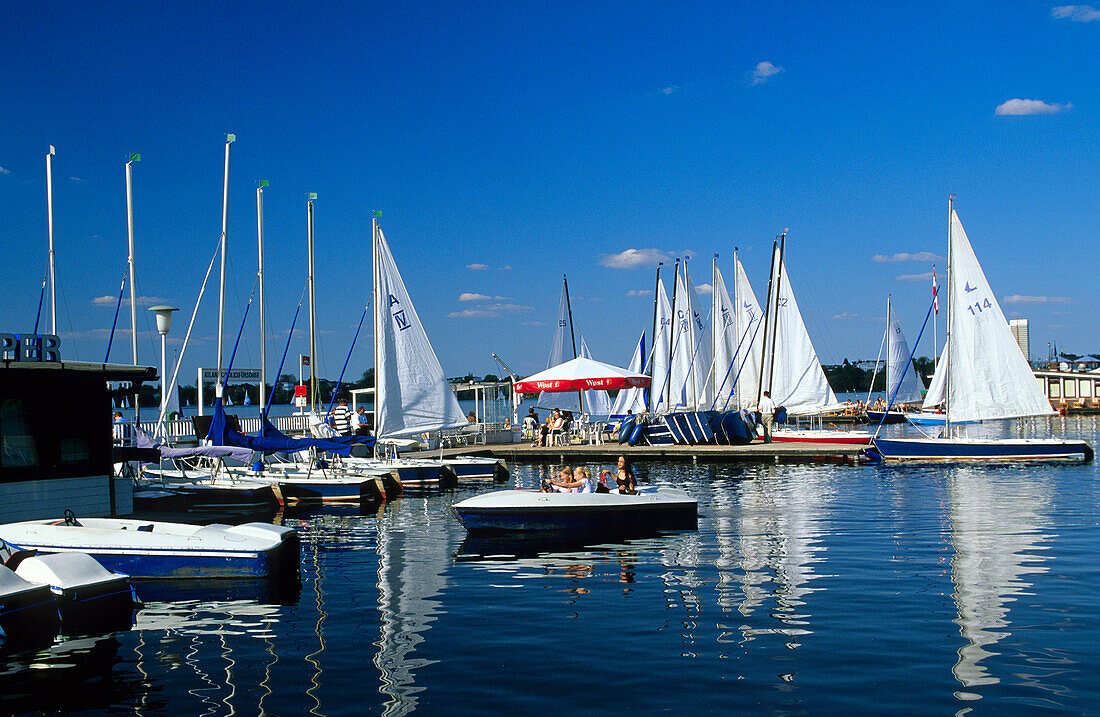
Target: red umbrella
581, 374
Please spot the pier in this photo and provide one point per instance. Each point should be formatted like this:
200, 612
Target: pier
833, 453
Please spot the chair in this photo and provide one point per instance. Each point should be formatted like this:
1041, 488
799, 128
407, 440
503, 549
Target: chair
561, 437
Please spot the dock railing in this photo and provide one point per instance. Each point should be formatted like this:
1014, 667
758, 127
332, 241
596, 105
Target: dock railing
181, 430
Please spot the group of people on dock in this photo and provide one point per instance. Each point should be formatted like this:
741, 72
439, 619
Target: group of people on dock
580, 480
557, 424
346, 423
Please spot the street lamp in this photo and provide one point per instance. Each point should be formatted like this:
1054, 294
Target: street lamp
164, 323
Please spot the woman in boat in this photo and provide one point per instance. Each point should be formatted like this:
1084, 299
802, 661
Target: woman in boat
624, 476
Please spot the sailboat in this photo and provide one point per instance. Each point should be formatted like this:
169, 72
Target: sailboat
790, 368
902, 384
987, 376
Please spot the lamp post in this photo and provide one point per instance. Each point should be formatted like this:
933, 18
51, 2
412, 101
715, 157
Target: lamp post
164, 323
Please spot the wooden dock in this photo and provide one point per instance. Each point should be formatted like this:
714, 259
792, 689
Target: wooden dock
608, 452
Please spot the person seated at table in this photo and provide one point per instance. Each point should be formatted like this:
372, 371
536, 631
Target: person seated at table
624, 477
556, 424
530, 423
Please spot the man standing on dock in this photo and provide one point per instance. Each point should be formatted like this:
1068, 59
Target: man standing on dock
767, 415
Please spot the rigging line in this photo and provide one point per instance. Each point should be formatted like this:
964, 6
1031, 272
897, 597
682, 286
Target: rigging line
718, 392
41, 298
240, 332
114, 323
911, 351
691, 364
871, 388
69, 318
190, 327
351, 348
279, 373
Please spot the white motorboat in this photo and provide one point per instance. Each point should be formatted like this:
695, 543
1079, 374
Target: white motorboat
156, 549
651, 509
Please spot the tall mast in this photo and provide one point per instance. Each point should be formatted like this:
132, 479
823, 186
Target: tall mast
714, 329
672, 333
775, 323
691, 338
950, 306
229, 139
572, 337
376, 303
260, 280
130, 255
653, 337
769, 319
312, 307
49, 216
737, 327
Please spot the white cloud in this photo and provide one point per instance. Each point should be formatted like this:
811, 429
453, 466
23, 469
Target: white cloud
844, 317
470, 314
4, 171
704, 290
926, 276
763, 71
533, 323
76, 179
506, 267
489, 310
640, 292
474, 297
1018, 299
904, 256
669, 90
1029, 107
142, 300
477, 267
633, 258
1076, 13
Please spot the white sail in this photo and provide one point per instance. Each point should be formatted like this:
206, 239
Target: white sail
596, 401
662, 349
725, 343
569, 401
680, 375
988, 376
701, 387
934, 396
900, 373
749, 321
794, 374
413, 395
632, 399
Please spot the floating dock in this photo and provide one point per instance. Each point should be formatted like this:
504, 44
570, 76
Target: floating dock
753, 453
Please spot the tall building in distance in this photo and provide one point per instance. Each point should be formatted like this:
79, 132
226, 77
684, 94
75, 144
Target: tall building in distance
1019, 332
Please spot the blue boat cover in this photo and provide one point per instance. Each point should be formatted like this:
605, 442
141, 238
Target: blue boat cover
271, 439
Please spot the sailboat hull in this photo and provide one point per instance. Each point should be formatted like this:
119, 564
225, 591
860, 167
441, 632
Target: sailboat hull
979, 450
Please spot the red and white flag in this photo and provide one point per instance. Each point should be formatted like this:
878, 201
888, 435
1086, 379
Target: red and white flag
935, 292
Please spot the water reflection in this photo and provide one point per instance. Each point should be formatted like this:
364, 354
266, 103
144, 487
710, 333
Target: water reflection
996, 521
768, 544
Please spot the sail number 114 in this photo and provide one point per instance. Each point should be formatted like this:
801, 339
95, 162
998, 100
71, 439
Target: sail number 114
978, 307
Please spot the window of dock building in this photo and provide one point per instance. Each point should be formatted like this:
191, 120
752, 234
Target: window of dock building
53, 425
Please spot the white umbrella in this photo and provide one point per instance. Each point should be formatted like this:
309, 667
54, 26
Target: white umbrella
581, 374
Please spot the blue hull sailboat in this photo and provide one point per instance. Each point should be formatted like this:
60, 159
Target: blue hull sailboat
987, 376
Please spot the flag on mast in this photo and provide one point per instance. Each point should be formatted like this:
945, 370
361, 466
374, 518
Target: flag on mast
935, 292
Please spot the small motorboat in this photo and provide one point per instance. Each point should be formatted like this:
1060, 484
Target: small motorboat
89, 598
651, 509
27, 609
157, 549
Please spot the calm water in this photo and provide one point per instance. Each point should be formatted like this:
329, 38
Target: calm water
807, 589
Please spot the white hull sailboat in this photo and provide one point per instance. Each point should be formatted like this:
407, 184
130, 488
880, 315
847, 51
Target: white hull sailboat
790, 368
986, 376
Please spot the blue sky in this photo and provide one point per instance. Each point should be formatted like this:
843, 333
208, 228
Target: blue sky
509, 143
